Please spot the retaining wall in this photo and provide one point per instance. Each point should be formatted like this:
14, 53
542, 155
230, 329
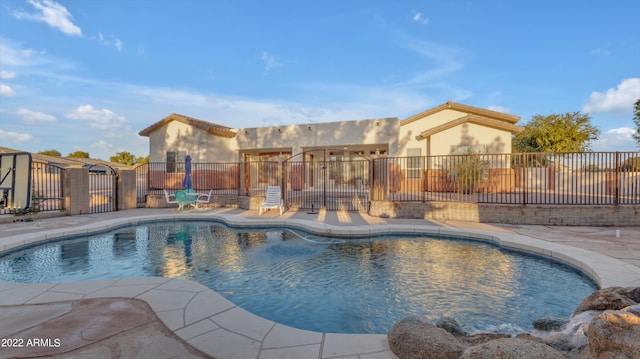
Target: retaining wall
563, 215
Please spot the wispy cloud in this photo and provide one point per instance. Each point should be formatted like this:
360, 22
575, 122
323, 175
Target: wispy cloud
600, 51
10, 136
446, 60
11, 55
53, 14
620, 99
419, 18
498, 109
6, 90
617, 139
7, 74
270, 62
34, 117
100, 119
110, 41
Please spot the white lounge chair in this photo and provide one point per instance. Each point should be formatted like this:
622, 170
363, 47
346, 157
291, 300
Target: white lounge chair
204, 198
170, 197
273, 200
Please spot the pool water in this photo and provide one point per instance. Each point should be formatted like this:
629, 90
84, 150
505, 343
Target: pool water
322, 284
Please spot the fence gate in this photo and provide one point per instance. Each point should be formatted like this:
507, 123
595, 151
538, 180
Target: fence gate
103, 189
330, 183
142, 184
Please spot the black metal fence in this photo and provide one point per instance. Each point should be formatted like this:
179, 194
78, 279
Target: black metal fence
142, 183
606, 178
47, 192
334, 185
591, 178
103, 189
223, 178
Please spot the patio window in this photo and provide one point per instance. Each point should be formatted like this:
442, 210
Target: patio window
414, 163
175, 161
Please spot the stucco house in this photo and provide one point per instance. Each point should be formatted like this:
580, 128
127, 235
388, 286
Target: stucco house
450, 128
326, 164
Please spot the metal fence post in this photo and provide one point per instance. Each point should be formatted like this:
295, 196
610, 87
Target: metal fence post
616, 197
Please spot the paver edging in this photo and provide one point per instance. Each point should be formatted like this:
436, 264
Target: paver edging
572, 256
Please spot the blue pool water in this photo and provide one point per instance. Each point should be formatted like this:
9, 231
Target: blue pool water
321, 284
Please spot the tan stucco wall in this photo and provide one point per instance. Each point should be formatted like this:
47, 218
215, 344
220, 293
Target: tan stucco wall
363, 136
409, 132
497, 141
469, 134
200, 145
328, 135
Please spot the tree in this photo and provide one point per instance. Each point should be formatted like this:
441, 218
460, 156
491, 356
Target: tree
636, 120
123, 157
79, 154
568, 132
54, 153
142, 159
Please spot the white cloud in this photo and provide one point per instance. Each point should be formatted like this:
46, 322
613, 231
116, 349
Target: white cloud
10, 56
600, 51
617, 139
6, 90
101, 119
7, 74
110, 41
419, 18
34, 117
446, 61
270, 62
103, 145
14, 136
52, 13
620, 99
498, 109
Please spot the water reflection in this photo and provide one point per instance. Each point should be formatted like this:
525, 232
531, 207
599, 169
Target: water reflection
359, 286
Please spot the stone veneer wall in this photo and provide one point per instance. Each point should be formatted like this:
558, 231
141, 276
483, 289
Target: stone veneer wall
563, 215
588, 215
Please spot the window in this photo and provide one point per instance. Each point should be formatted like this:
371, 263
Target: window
175, 161
414, 163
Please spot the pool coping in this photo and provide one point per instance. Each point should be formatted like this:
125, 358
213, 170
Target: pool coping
214, 325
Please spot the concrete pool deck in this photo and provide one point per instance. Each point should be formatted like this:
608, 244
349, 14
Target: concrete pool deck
180, 318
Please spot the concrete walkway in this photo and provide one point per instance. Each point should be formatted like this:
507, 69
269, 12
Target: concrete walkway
164, 317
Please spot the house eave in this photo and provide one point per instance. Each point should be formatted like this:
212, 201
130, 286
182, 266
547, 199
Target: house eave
209, 127
478, 120
470, 110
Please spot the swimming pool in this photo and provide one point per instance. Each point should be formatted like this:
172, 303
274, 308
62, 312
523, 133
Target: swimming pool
321, 284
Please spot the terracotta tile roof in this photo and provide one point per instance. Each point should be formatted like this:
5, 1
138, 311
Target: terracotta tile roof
463, 108
210, 127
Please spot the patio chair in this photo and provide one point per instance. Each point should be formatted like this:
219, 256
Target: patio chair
168, 196
185, 199
273, 200
204, 198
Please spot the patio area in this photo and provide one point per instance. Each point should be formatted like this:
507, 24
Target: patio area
175, 317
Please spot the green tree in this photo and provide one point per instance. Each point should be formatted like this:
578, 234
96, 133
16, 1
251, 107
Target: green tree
568, 132
123, 157
79, 154
636, 120
54, 153
142, 159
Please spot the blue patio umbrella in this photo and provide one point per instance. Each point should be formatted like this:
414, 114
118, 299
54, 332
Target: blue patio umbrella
187, 183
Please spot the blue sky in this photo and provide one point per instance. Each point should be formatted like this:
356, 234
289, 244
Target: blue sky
88, 75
